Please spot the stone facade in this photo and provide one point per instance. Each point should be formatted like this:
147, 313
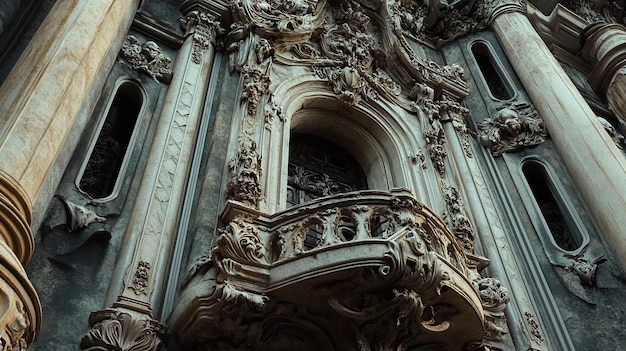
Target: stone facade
312, 175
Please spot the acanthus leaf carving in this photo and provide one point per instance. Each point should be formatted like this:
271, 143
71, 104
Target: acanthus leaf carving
204, 30
514, 126
241, 241
112, 329
147, 58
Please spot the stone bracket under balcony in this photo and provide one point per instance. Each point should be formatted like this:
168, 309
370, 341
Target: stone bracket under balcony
368, 270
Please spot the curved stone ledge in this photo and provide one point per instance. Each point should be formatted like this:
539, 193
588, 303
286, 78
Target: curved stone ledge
380, 265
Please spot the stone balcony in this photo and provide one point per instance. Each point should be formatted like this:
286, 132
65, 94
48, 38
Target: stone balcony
368, 270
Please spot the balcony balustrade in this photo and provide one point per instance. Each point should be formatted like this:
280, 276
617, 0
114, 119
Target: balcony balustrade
369, 269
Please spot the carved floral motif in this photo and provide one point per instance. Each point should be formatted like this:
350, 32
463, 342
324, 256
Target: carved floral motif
147, 58
513, 127
458, 217
597, 11
115, 330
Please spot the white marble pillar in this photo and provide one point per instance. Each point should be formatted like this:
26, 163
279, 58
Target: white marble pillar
597, 166
49, 92
143, 259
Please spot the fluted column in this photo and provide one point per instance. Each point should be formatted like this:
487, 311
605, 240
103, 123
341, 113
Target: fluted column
50, 88
143, 259
605, 47
598, 167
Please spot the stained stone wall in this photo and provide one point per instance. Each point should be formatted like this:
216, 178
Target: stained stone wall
191, 236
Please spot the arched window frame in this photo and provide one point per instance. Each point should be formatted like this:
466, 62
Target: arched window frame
128, 152
486, 48
566, 206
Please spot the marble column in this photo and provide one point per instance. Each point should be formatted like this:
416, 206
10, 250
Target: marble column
605, 48
597, 165
143, 259
65, 63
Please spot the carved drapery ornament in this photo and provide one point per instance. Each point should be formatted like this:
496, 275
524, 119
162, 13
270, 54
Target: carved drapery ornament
112, 329
147, 58
513, 127
204, 30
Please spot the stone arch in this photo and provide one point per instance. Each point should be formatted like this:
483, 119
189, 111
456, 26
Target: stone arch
382, 137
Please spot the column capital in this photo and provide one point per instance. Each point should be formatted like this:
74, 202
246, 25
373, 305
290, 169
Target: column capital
115, 329
489, 10
204, 29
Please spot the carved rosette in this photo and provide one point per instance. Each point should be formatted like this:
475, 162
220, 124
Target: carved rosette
112, 329
513, 127
147, 58
204, 30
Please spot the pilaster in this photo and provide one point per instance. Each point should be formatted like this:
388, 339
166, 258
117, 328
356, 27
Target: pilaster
143, 260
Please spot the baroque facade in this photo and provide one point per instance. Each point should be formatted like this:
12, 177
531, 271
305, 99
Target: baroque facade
312, 175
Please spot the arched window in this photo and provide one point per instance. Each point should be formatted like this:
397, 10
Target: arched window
559, 220
108, 153
319, 167
491, 72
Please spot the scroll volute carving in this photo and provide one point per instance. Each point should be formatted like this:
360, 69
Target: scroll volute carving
290, 19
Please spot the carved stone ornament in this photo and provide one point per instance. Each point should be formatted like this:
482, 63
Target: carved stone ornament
290, 18
13, 323
494, 298
513, 127
534, 328
615, 135
204, 30
441, 21
597, 11
245, 168
78, 216
141, 278
147, 58
349, 57
255, 85
457, 215
112, 329
241, 242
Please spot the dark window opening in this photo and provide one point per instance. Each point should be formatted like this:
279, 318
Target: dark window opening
318, 168
105, 161
558, 224
496, 84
